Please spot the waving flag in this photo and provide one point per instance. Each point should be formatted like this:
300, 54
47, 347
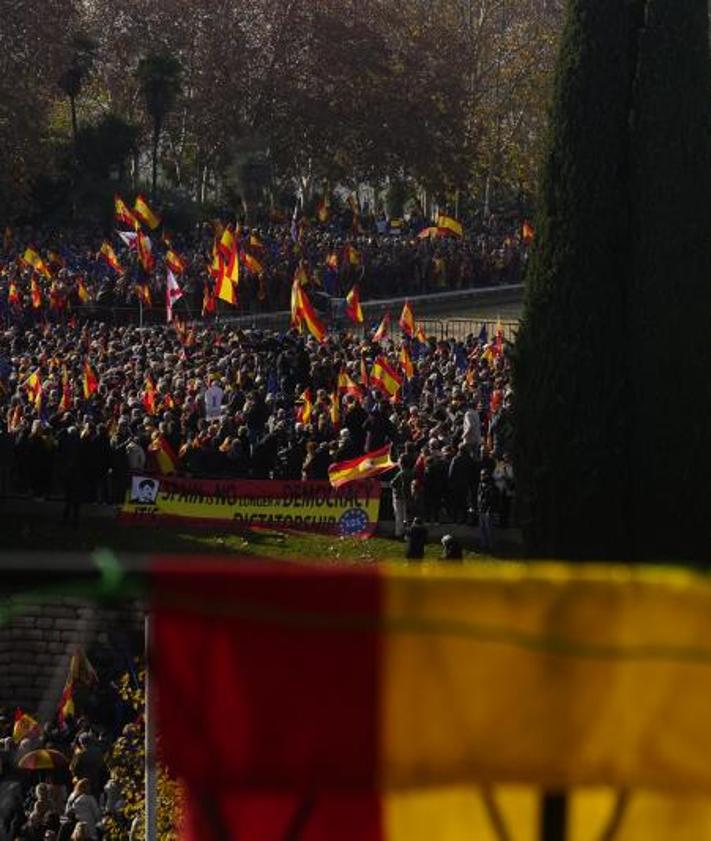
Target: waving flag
353, 307
323, 209
173, 293
307, 315
407, 320
209, 304
227, 244
13, 296
143, 293
123, 214
334, 410
346, 384
364, 467
145, 251
352, 255
164, 455
364, 380
89, 381
82, 291
174, 262
144, 213
224, 286
35, 292
33, 385
148, 400
24, 726
252, 264
65, 403
450, 224
108, 255
385, 377
527, 232
305, 408
382, 332
406, 363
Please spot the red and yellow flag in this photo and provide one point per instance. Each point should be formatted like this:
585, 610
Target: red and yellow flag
209, 304
334, 410
252, 264
108, 255
31, 258
174, 262
13, 295
346, 384
24, 726
33, 385
123, 214
164, 455
35, 292
382, 332
385, 377
450, 224
354, 310
307, 315
224, 286
352, 255
332, 261
148, 400
407, 320
408, 368
143, 293
305, 407
364, 380
65, 403
144, 213
527, 232
145, 251
323, 209
90, 383
363, 467
82, 291
227, 244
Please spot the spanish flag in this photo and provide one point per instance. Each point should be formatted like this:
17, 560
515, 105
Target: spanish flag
335, 410
13, 296
323, 209
353, 307
35, 292
420, 334
89, 381
145, 251
174, 262
25, 726
143, 293
108, 255
65, 404
31, 258
255, 242
82, 291
123, 214
363, 467
407, 320
295, 320
148, 400
364, 380
400, 702
252, 264
301, 275
449, 223
307, 315
527, 232
346, 385
385, 377
382, 332
352, 255
406, 363
305, 408
144, 213
33, 385
164, 455
209, 304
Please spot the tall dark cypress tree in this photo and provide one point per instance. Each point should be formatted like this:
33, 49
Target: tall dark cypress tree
570, 384
670, 287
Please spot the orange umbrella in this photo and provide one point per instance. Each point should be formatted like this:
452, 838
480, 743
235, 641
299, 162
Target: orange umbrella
42, 760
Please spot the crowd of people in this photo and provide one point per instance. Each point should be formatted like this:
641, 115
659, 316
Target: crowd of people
85, 795
383, 261
83, 407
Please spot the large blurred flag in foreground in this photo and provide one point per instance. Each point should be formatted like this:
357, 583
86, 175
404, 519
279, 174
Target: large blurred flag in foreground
417, 703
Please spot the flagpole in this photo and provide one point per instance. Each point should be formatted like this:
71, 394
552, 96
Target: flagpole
150, 781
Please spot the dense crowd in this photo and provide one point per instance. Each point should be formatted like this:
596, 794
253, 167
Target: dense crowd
383, 261
85, 794
232, 403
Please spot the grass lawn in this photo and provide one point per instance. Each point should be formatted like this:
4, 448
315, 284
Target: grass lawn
37, 528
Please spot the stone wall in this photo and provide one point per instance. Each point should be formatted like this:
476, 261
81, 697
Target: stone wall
38, 639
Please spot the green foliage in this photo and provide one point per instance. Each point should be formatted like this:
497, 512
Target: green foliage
104, 148
670, 287
612, 448
126, 764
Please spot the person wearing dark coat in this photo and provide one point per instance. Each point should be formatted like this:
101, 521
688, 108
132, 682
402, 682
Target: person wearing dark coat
354, 422
461, 471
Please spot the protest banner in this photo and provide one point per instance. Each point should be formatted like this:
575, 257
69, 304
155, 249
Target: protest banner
351, 510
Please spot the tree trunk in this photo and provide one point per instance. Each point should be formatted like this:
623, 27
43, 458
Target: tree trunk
75, 130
